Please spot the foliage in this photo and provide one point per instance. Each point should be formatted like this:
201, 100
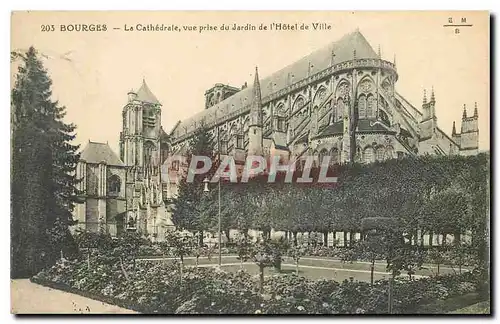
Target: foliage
158, 288
180, 244
43, 169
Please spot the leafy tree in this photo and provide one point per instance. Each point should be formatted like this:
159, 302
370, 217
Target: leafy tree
43, 169
188, 213
297, 252
126, 248
244, 247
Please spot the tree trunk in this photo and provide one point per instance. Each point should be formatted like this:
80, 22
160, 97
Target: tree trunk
295, 238
334, 238
351, 238
226, 232
443, 243
345, 239
123, 270
325, 238
422, 238
241, 263
438, 267
261, 268
372, 269
431, 238
197, 257
457, 237
200, 239
88, 259
297, 267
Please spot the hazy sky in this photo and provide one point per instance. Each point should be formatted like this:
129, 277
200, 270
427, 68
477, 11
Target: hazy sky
180, 66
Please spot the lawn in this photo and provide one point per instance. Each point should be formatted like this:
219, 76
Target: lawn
312, 268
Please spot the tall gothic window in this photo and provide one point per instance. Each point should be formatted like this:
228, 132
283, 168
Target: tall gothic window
322, 154
370, 106
362, 107
340, 109
379, 153
148, 152
335, 156
114, 185
281, 124
389, 152
369, 155
239, 141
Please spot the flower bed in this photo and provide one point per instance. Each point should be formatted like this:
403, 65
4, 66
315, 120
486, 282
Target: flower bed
152, 287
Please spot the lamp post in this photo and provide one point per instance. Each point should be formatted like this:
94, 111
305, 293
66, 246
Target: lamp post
206, 189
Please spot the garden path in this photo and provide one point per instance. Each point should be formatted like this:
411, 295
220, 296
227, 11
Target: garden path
30, 298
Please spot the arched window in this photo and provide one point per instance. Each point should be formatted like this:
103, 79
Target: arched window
362, 107
114, 185
340, 109
148, 152
389, 153
335, 156
380, 153
370, 106
322, 155
368, 155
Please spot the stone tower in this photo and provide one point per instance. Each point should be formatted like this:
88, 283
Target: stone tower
255, 124
141, 154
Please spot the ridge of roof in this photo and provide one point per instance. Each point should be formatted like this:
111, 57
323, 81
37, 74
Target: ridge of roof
335, 52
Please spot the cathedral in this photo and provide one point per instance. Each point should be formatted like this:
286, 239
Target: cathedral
338, 101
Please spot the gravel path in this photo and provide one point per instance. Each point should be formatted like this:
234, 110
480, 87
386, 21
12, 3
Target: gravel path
29, 298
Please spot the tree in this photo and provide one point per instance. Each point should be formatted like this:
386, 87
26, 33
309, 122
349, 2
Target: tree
188, 213
126, 249
244, 247
297, 251
263, 257
43, 169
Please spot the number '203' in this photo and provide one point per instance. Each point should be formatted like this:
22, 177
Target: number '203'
47, 28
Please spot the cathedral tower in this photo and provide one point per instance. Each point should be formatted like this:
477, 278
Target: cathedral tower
255, 125
140, 138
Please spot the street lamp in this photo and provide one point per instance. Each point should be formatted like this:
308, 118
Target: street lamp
206, 189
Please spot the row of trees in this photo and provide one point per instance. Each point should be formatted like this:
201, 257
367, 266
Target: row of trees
42, 170
423, 195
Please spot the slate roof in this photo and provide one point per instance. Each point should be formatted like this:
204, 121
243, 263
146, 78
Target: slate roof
336, 52
100, 152
145, 95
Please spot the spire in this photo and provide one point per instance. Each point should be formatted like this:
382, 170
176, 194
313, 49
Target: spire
453, 130
333, 56
394, 58
256, 106
354, 54
145, 95
425, 97
379, 52
256, 86
464, 115
433, 98
475, 109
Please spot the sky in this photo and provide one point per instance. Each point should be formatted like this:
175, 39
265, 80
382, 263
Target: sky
93, 71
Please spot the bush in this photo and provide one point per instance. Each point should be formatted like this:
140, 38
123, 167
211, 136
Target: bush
157, 288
